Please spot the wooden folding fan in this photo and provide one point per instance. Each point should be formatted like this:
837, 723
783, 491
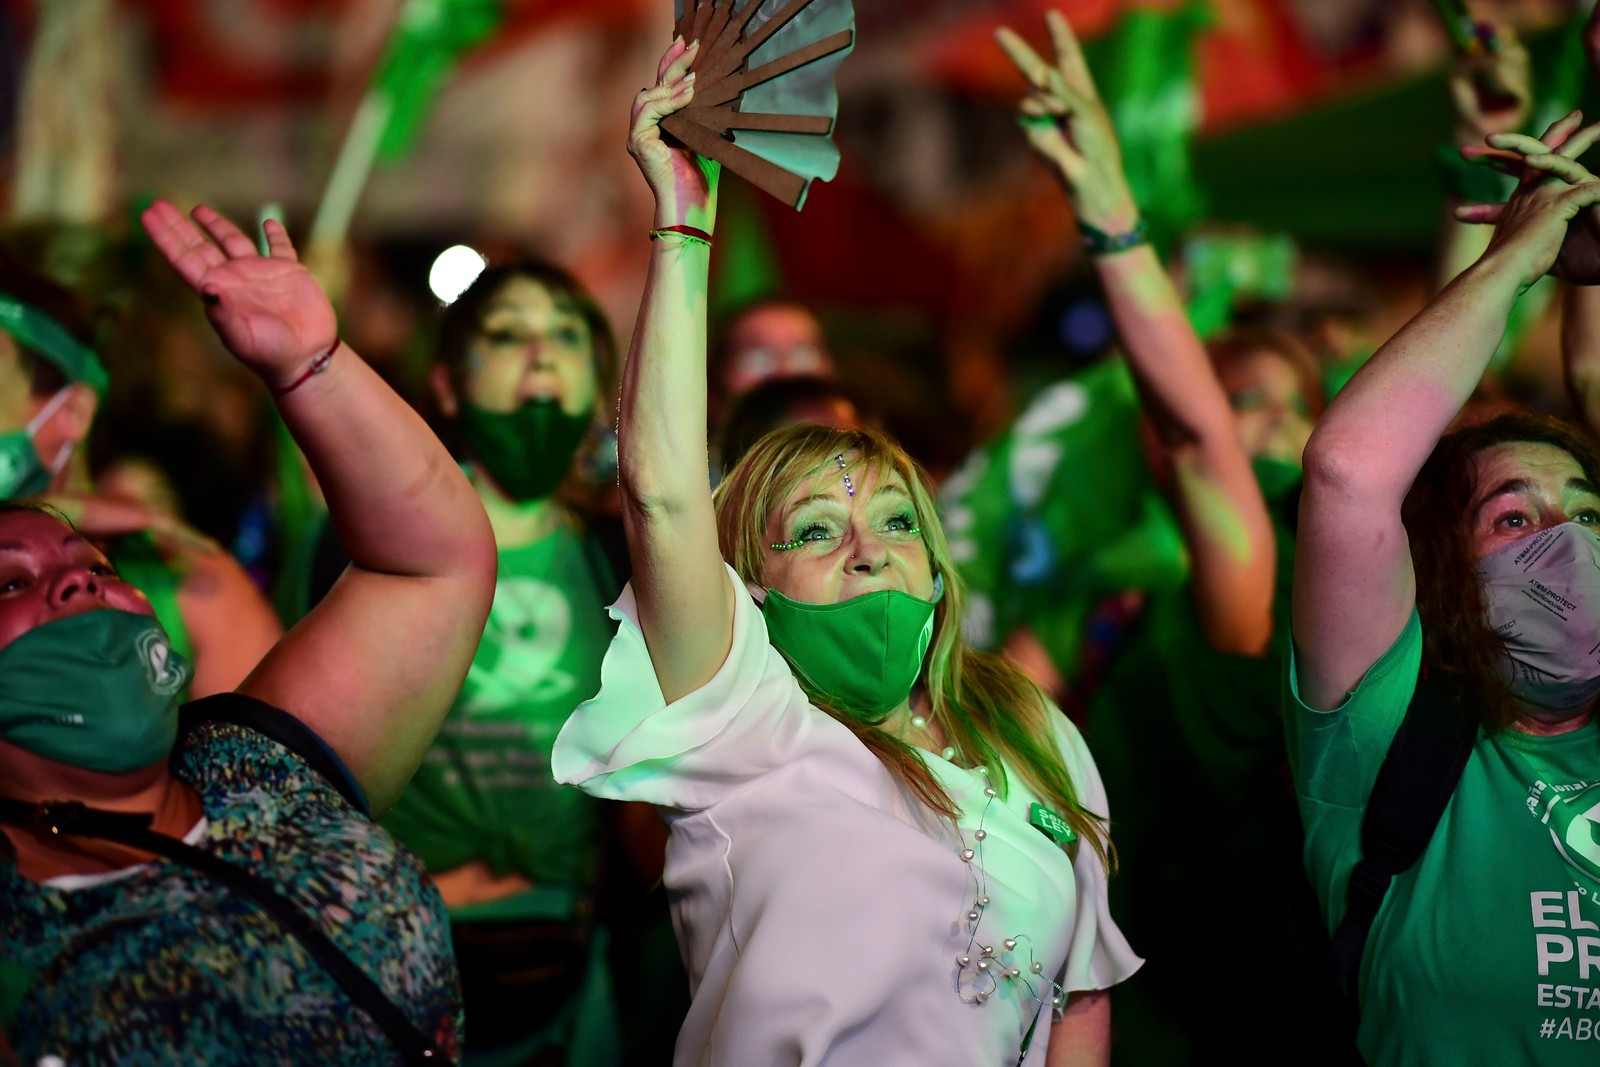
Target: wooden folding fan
764, 99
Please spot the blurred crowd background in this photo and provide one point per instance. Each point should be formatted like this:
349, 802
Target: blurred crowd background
1287, 146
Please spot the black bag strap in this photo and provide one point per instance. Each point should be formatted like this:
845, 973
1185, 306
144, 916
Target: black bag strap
1414, 786
72, 819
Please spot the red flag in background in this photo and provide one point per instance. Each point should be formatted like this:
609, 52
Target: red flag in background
1253, 59
271, 52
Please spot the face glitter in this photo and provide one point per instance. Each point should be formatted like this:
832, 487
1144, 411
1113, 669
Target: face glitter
849, 486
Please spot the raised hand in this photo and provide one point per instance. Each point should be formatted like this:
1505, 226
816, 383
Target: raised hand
685, 184
268, 310
1555, 187
1067, 124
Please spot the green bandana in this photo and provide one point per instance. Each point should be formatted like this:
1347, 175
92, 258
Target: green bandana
864, 653
527, 451
42, 335
97, 690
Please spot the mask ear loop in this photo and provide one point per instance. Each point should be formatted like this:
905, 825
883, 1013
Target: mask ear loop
757, 593
938, 589
51, 406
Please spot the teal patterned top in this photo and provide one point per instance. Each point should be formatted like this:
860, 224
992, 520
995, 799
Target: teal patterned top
164, 965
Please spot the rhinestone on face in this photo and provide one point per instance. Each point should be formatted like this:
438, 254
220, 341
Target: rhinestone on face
966, 855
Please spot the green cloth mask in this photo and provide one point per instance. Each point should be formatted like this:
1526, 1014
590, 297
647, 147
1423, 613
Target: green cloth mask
22, 470
1277, 477
97, 690
864, 653
527, 451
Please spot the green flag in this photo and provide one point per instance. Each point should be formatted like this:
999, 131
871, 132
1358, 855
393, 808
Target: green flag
429, 37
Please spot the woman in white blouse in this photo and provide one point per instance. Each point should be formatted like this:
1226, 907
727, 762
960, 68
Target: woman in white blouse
886, 848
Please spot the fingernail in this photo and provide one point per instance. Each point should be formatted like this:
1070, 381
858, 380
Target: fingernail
690, 78
677, 40
695, 43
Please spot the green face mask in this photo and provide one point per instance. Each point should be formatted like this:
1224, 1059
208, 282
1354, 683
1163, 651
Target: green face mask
527, 451
1277, 477
864, 653
22, 471
97, 690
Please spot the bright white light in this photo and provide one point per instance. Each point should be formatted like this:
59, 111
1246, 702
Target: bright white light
456, 268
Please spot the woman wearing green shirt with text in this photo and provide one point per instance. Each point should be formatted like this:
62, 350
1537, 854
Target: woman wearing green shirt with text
1469, 560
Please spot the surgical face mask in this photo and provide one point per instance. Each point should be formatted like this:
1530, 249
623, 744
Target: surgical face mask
863, 654
97, 690
527, 451
22, 471
1543, 597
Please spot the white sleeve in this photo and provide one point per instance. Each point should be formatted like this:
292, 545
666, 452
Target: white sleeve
1099, 956
628, 743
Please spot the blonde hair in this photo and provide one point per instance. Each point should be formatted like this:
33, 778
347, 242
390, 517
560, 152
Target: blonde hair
990, 712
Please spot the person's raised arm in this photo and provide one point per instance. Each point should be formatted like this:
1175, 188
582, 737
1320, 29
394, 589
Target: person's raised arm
685, 605
375, 667
1224, 517
1354, 586
1580, 351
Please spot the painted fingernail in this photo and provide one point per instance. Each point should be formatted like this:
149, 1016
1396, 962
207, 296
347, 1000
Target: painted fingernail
690, 78
695, 43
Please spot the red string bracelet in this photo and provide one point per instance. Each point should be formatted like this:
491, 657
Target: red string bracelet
319, 363
690, 232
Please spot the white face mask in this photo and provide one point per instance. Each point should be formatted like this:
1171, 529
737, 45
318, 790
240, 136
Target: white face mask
1543, 598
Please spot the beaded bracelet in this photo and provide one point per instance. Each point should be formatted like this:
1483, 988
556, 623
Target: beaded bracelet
687, 232
319, 363
1100, 243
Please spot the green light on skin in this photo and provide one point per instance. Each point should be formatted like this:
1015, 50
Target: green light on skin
1214, 516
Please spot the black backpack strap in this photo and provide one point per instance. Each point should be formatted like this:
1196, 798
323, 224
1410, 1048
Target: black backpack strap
280, 726
72, 819
1414, 786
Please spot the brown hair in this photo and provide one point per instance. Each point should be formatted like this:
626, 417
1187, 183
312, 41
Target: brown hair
460, 322
989, 711
1458, 647
1239, 344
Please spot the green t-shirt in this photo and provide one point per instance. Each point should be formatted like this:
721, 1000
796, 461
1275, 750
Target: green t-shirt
1057, 512
1488, 950
484, 790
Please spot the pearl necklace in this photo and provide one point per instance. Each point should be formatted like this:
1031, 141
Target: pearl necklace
989, 964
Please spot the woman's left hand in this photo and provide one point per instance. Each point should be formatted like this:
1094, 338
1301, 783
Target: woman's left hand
268, 310
1067, 124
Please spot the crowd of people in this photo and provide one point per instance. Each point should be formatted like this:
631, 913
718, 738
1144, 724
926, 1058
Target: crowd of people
609, 704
